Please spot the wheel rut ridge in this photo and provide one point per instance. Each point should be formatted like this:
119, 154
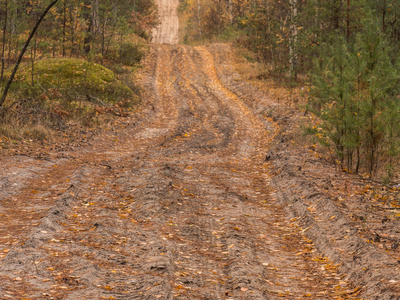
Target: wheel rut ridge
333, 233
163, 218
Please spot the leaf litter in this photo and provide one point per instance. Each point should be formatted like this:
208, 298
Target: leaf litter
176, 201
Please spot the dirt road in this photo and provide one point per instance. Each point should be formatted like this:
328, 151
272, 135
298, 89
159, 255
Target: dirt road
167, 31
176, 204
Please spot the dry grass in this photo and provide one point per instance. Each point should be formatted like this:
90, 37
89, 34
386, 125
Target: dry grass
12, 134
37, 132
250, 70
62, 100
9, 132
43, 119
281, 89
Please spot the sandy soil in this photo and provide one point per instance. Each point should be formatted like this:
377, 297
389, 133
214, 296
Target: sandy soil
190, 198
167, 31
348, 217
174, 204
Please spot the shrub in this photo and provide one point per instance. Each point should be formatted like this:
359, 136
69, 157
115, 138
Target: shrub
75, 78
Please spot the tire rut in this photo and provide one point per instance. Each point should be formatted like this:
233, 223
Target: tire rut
180, 208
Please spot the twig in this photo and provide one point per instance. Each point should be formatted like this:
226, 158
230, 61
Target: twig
2, 112
16, 103
42, 86
96, 100
34, 263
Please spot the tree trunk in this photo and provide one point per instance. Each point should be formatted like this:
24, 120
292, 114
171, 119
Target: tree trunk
33, 58
198, 17
348, 21
103, 36
4, 40
89, 31
3, 98
95, 16
293, 39
64, 27
72, 21
337, 8
384, 16
230, 11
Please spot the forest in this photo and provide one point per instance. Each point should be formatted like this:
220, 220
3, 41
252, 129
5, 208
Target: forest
78, 63
345, 51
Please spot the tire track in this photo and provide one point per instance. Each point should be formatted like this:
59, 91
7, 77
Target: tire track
179, 208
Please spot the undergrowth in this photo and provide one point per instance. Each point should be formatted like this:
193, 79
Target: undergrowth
62, 92
280, 86
72, 78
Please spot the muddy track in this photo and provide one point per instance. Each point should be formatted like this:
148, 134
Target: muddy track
176, 204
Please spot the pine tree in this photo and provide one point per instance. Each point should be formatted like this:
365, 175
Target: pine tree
354, 94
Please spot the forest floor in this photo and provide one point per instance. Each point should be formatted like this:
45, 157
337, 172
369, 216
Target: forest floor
203, 193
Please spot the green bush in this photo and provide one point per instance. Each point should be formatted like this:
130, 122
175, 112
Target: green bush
130, 54
71, 77
127, 54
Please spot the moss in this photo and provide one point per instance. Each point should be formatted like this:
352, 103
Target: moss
76, 78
